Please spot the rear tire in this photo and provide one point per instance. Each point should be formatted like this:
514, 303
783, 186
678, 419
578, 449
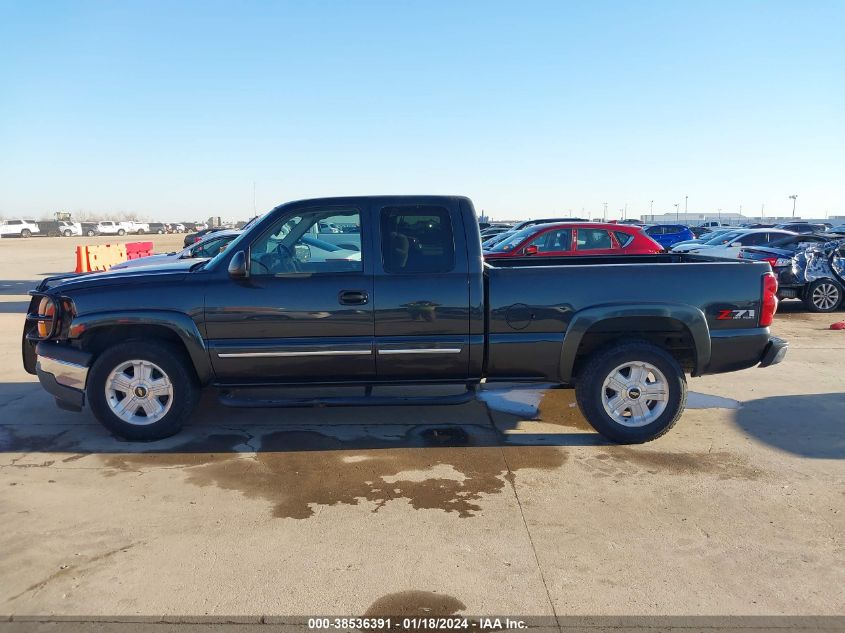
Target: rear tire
823, 295
133, 382
67, 233
91, 233
612, 391
26, 233
121, 232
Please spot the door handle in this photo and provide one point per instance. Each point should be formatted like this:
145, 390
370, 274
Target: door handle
353, 297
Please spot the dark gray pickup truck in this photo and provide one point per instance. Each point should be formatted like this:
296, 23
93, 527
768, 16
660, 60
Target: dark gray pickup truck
393, 290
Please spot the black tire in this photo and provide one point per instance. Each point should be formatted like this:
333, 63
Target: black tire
91, 233
173, 364
67, 233
26, 233
140, 231
589, 391
823, 295
121, 232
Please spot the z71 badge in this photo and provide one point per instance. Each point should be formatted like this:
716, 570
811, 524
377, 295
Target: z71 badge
730, 315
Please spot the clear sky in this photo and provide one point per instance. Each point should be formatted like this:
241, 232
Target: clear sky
173, 109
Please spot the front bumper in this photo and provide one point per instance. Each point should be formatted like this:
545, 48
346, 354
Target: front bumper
63, 372
774, 352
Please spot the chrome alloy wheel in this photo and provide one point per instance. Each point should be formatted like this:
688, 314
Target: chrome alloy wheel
139, 392
635, 394
825, 296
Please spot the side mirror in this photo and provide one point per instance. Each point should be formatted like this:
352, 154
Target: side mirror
734, 245
238, 268
531, 250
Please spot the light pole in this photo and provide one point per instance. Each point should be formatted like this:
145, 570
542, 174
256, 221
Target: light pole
604, 216
651, 210
677, 212
794, 198
625, 212
720, 217
686, 210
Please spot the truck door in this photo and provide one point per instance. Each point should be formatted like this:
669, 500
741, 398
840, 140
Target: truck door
305, 313
421, 293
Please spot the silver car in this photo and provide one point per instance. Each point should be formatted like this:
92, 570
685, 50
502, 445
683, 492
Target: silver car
208, 247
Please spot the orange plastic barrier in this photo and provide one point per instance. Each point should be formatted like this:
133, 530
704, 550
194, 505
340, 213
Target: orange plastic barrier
82, 259
135, 250
104, 256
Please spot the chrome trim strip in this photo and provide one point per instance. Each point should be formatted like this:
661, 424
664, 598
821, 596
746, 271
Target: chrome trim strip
339, 352
421, 350
65, 373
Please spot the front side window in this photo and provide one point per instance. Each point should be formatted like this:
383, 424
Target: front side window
291, 245
417, 239
593, 239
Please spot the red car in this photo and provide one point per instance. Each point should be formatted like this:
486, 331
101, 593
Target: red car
575, 238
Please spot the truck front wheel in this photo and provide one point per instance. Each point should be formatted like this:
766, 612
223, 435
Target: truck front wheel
142, 391
632, 393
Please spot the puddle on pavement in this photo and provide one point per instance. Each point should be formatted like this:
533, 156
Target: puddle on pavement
296, 471
414, 604
558, 406
626, 462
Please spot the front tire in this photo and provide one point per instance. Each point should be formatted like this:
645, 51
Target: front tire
67, 233
142, 391
823, 295
91, 233
121, 232
632, 393
26, 233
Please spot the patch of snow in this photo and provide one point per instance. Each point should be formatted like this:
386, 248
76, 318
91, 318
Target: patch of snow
523, 401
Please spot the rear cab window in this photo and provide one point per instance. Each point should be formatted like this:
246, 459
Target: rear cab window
417, 239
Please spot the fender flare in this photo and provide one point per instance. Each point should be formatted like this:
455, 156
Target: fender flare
689, 316
180, 324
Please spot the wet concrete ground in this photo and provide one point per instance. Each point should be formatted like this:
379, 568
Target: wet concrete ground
470, 509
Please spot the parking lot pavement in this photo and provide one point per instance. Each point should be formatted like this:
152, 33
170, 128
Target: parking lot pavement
508, 506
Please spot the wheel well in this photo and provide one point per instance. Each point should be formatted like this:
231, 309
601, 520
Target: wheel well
669, 334
100, 339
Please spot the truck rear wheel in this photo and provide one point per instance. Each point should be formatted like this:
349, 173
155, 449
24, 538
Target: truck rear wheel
142, 391
632, 393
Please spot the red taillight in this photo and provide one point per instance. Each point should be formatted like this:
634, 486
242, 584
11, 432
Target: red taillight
770, 300
771, 261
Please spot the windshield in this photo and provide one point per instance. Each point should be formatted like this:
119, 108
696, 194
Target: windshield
724, 238
514, 240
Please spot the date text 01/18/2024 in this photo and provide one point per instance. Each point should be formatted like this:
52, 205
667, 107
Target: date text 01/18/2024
415, 624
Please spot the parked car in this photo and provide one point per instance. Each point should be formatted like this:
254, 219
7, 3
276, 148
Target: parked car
89, 228
729, 245
19, 228
258, 313
417, 306
110, 227
669, 234
157, 227
56, 228
139, 228
193, 238
688, 245
712, 224
700, 231
802, 227
821, 294
575, 238
206, 248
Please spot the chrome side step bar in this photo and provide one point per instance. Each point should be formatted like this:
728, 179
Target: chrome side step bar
229, 398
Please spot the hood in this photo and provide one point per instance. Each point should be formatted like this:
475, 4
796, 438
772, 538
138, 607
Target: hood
69, 281
152, 260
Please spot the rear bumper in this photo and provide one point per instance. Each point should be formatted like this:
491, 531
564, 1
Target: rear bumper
733, 350
775, 352
63, 372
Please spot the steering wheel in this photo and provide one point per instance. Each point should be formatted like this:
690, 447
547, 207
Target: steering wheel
286, 259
